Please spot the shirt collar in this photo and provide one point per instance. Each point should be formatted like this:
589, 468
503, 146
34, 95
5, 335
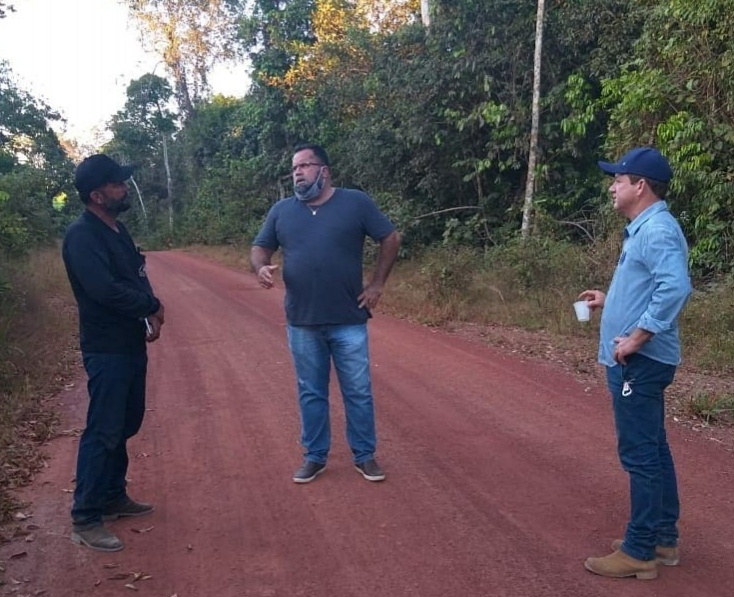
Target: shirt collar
632, 228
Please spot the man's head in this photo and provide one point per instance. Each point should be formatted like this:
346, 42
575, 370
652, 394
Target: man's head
643, 162
310, 170
641, 177
100, 181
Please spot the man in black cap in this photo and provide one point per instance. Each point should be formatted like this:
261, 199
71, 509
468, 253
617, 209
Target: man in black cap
640, 348
118, 313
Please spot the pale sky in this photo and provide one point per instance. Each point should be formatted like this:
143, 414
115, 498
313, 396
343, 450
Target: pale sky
80, 55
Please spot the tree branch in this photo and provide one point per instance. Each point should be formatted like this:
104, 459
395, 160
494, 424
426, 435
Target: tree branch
443, 211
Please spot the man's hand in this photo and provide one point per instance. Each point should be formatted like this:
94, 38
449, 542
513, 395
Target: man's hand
370, 296
265, 276
594, 298
159, 314
155, 325
629, 345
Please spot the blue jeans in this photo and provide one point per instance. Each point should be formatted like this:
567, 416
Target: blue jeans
313, 348
116, 407
639, 413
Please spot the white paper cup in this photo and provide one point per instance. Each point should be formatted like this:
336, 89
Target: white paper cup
583, 313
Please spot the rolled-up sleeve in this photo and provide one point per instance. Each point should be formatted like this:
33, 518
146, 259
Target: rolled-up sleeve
665, 252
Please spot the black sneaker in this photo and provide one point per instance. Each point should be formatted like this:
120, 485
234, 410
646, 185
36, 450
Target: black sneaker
308, 471
370, 470
125, 508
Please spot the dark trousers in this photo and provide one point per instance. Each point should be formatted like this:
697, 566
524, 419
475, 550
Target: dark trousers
639, 412
116, 407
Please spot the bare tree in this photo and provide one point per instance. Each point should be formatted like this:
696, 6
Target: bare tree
190, 36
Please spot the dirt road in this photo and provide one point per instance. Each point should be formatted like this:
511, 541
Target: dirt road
502, 474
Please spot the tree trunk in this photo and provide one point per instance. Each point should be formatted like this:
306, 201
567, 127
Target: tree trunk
425, 13
527, 210
142, 205
169, 183
182, 93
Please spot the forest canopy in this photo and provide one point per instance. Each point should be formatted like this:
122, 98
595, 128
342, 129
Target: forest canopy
425, 105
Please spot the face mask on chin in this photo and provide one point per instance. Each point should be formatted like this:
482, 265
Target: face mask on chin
309, 192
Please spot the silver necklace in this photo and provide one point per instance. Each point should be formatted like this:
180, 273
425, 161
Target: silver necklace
313, 210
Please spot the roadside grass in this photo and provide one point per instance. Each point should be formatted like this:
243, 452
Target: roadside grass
528, 285
712, 409
707, 326
37, 339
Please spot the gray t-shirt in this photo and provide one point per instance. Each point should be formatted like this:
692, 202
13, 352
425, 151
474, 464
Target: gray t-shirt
322, 254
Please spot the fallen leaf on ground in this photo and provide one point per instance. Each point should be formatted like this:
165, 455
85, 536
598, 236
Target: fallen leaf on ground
146, 530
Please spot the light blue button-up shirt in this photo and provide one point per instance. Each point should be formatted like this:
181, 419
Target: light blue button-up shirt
650, 287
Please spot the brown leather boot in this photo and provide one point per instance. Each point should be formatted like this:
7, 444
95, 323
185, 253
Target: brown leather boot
667, 556
620, 565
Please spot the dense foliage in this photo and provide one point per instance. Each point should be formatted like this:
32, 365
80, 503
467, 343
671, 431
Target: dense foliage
433, 121
34, 169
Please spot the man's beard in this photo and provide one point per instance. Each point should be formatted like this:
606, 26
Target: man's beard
117, 206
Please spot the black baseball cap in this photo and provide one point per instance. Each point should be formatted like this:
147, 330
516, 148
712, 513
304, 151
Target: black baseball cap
97, 170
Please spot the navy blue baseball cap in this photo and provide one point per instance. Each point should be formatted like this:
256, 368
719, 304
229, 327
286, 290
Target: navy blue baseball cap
97, 170
641, 161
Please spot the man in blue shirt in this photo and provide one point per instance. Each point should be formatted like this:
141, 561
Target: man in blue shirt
322, 230
118, 314
640, 348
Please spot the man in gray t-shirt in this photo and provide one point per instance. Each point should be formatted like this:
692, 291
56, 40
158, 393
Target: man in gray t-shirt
322, 230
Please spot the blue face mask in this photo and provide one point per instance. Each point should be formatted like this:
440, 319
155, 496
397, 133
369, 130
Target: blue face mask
309, 192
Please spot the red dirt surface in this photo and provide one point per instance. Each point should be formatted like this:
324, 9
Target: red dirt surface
502, 475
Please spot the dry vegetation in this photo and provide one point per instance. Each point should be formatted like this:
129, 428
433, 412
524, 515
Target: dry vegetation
38, 339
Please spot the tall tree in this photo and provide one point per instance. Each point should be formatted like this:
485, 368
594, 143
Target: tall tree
142, 132
190, 36
25, 126
527, 209
273, 31
33, 166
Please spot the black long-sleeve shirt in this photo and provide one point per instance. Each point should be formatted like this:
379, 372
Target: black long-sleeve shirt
107, 275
